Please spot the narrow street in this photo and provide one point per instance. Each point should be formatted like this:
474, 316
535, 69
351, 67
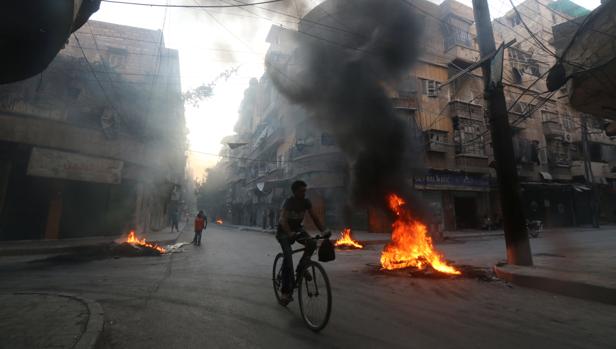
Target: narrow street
220, 295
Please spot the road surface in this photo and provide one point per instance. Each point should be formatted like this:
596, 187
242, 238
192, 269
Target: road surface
220, 295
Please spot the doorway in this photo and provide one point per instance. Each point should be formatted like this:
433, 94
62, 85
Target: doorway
466, 213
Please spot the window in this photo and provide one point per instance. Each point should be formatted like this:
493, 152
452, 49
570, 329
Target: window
469, 137
517, 76
548, 116
456, 32
568, 122
438, 136
430, 88
558, 152
516, 20
437, 140
596, 123
523, 62
327, 139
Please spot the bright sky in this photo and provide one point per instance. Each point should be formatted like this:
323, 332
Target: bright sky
211, 41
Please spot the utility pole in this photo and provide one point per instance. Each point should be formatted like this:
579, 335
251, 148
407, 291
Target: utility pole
590, 180
514, 222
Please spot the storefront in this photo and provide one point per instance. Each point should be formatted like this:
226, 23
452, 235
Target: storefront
457, 200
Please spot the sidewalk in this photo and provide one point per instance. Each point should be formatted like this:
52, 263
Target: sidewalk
49, 320
29, 247
578, 264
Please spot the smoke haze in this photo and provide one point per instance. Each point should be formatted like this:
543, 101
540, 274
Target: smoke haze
347, 52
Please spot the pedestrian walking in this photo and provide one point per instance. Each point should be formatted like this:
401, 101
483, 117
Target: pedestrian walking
175, 220
271, 218
200, 226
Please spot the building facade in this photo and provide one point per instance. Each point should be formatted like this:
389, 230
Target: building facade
459, 184
94, 145
550, 136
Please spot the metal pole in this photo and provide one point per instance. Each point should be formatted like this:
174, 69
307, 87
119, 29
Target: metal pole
590, 180
514, 223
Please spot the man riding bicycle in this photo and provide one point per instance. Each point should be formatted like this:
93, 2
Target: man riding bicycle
289, 230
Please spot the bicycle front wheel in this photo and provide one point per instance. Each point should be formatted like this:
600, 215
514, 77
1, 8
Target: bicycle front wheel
315, 296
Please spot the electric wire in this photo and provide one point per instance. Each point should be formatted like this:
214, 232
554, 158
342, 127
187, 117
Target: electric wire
190, 6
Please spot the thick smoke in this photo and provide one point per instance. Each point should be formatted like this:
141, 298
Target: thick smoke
347, 53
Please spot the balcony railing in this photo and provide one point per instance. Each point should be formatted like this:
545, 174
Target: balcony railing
553, 129
466, 110
436, 146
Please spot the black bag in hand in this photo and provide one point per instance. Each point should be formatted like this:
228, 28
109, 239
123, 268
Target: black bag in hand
327, 252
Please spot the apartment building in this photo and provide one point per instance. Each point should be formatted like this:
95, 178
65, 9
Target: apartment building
95, 144
458, 184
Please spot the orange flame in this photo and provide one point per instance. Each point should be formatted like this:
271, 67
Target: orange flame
346, 240
132, 239
411, 246
219, 221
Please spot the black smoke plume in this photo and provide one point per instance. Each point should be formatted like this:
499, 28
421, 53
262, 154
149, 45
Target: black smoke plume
346, 53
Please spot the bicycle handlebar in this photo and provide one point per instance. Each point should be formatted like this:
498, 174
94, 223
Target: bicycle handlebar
326, 235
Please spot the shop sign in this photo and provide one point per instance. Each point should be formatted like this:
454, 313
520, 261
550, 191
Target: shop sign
59, 164
452, 181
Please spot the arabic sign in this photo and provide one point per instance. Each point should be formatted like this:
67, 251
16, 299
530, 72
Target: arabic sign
445, 180
59, 164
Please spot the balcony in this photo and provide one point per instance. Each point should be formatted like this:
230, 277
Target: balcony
274, 137
436, 141
472, 163
462, 53
553, 129
466, 110
437, 147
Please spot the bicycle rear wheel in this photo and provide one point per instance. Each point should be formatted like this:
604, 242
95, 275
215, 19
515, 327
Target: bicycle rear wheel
315, 297
277, 276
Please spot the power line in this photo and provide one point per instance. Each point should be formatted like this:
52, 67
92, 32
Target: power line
190, 6
96, 77
529, 31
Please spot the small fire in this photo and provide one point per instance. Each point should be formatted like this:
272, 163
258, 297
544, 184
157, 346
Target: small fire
132, 239
345, 240
219, 221
411, 246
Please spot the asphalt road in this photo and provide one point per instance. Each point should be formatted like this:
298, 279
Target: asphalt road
220, 295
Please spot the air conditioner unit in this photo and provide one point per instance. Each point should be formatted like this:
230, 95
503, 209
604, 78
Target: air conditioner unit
568, 137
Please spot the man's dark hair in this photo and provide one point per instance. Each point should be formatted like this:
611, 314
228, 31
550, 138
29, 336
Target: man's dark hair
298, 184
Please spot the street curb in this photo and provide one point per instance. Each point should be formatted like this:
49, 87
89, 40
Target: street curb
471, 236
89, 339
564, 287
44, 250
257, 230
26, 251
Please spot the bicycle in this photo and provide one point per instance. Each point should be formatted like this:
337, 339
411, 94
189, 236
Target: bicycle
314, 292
